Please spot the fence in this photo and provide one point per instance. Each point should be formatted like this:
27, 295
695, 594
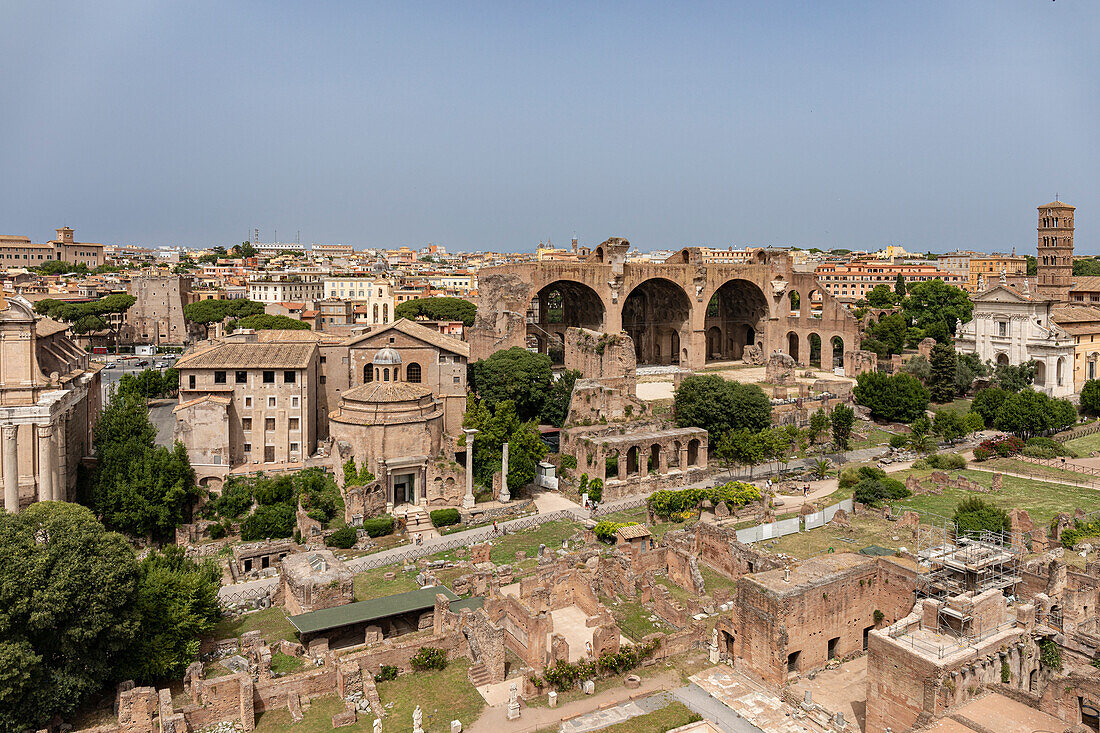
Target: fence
1022, 467
1060, 463
630, 502
1077, 432
783, 527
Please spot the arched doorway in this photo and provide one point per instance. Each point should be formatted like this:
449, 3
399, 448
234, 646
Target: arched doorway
557, 306
1002, 360
792, 345
737, 309
1060, 370
1040, 373
655, 314
838, 351
815, 350
654, 463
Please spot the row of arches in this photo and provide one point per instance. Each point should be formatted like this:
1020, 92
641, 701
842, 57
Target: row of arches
807, 350
375, 373
816, 303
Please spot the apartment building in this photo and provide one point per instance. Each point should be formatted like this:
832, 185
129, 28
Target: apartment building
280, 291
987, 269
853, 280
16, 251
332, 250
728, 256
245, 401
376, 293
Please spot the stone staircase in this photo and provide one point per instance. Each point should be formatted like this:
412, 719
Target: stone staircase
478, 674
417, 521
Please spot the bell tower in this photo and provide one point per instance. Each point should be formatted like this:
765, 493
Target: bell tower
1055, 244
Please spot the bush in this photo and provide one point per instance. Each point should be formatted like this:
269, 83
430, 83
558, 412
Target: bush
667, 503
946, 461
387, 672
1003, 447
217, 531
235, 500
565, 675
429, 657
719, 405
897, 398
898, 440
974, 515
268, 522
848, 477
379, 526
445, 517
1049, 444
595, 489
270, 491
343, 538
875, 487
569, 462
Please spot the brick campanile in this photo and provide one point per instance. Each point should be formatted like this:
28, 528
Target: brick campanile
1055, 268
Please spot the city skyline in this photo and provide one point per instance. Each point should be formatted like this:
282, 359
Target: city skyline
492, 127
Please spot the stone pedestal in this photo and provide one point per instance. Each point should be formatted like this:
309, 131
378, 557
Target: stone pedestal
714, 647
552, 699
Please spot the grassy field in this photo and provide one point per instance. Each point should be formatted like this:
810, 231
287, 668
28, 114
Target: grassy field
373, 584
318, 719
961, 405
550, 534
671, 716
1085, 445
1042, 500
633, 618
714, 581
286, 664
272, 622
637, 514
443, 696
865, 530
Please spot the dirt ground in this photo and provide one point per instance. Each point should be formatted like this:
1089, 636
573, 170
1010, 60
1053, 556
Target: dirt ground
840, 690
659, 386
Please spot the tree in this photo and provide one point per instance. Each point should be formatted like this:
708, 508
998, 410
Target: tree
1090, 397
89, 316
1027, 413
268, 522
177, 603
974, 516
935, 301
496, 427
66, 590
919, 367
244, 249
897, 398
719, 405
1089, 266
819, 423
1014, 377
843, 418
437, 309
881, 297
265, 322
556, 408
941, 383
950, 425
875, 487
899, 286
514, 375
138, 487
987, 402
1032, 265
968, 367
891, 330
206, 312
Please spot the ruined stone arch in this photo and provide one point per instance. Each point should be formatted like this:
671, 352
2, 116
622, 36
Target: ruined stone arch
814, 355
838, 351
737, 311
795, 302
633, 460
792, 345
657, 316
558, 305
816, 304
654, 463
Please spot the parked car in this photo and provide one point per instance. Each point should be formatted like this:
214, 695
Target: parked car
143, 363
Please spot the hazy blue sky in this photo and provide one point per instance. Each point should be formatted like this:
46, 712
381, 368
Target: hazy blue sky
934, 125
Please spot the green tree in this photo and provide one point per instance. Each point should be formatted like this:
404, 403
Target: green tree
265, 322
974, 516
843, 417
66, 590
987, 402
1032, 265
891, 330
935, 301
1088, 267
206, 312
1027, 413
881, 296
819, 424
89, 316
919, 367
1014, 377
968, 367
719, 405
897, 398
437, 309
496, 427
514, 375
1090, 397
177, 603
941, 383
899, 287
949, 425
138, 487
268, 522
556, 408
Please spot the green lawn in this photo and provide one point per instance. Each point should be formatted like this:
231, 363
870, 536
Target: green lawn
633, 618
714, 581
671, 716
961, 405
318, 719
373, 584
286, 664
443, 696
1085, 445
272, 622
865, 530
638, 514
1041, 499
550, 534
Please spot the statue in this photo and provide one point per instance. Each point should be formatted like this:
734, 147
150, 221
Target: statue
418, 720
513, 702
377, 725
513, 693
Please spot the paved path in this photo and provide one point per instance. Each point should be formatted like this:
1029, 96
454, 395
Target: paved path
701, 702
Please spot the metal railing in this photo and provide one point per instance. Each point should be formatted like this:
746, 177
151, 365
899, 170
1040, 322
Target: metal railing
630, 502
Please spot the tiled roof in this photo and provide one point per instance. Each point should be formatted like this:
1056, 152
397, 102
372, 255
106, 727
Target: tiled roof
245, 355
386, 392
1075, 314
423, 333
1057, 205
295, 335
223, 401
1089, 283
48, 327
633, 531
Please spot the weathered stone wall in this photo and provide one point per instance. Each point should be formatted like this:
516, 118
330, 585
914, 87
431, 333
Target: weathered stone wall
524, 633
718, 548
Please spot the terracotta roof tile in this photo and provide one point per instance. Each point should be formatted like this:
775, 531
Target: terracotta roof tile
245, 355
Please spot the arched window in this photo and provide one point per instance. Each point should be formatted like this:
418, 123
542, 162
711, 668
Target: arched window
396, 373
368, 373
412, 373
385, 375
385, 313
376, 313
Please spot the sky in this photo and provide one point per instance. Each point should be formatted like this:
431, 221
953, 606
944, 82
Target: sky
492, 126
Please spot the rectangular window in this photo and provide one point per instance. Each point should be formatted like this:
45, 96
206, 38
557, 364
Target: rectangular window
247, 447
191, 381
322, 360
294, 401
246, 424
293, 447
248, 402
1002, 328
322, 379
289, 376
270, 401
293, 423
242, 377
269, 377
269, 423
219, 377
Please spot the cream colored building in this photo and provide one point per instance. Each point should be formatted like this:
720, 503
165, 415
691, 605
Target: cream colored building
18, 251
281, 291
374, 292
1083, 324
49, 402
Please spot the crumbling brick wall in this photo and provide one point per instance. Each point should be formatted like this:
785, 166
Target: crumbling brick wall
718, 548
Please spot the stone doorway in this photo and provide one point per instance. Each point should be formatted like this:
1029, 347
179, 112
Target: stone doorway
404, 489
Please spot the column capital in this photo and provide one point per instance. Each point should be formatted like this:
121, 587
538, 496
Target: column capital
11, 431
44, 430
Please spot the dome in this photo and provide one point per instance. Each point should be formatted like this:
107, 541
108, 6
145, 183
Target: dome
387, 356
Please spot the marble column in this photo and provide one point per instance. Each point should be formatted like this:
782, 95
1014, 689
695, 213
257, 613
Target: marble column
468, 499
45, 462
505, 495
61, 479
11, 468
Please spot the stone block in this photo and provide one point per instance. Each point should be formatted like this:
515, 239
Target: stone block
345, 718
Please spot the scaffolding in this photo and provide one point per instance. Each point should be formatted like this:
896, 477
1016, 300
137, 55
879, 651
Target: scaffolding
973, 563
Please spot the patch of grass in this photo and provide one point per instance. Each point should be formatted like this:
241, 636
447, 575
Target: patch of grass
960, 405
1035, 470
714, 581
1085, 444
550, 534
443, 696
633, 619
678, 594
1041, 499
864, 531
271, 622
671, 716
286, 664
318, 719
373, 584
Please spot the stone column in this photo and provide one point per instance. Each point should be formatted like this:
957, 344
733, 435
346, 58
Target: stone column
662, 460
468, 499
624, 456
11, 468
45, 462
61, 477
505, 495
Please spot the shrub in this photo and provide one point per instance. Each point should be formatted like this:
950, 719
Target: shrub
1050, 445
605, 530
1080, 530
879, 615
235, 500
445, 517
568, 461
565, 675
1006, 673
1049, 654
379, 526
388, 672
1003, 447
268, 522
897, 398
429, 657
946, 461
595, 489
921, 464
974, 515
216, 531
666, 503
898, 440
875, 487
270, 491
343, 538
849, 477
